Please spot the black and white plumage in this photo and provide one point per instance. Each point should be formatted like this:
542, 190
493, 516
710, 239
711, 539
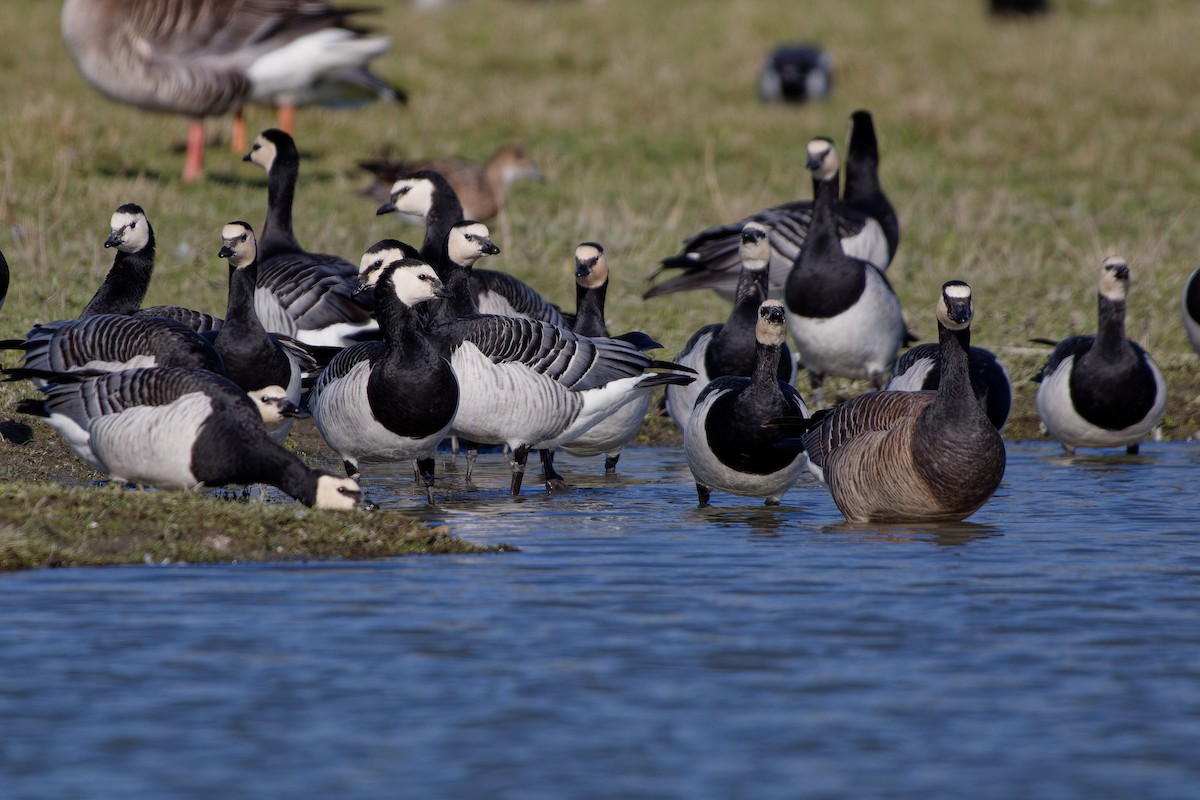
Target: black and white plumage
308, 296
919, 368
1102, 390
427, 196
709, 259
910, 456
796, 73
1190, 307
391, 400
266, 369
729, 348
178, 429
726, 444
842, 313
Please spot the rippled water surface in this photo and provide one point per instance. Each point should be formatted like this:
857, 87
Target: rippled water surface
639, 647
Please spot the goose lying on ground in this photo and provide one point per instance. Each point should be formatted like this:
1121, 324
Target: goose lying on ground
726, 444
910, 456
177, 429
1102, 390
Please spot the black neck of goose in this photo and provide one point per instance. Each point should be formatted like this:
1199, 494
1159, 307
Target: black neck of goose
396, 318
765, 379
240, 317
864, 192
1110, 336
822, 231
733, 347
289, 474
124, 287
444, 214
457, 280
589, 310
954, 388
277, 234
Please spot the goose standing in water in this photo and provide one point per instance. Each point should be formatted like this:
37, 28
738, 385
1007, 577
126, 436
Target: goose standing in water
726, 444
392, 400
842, 313
178, 429
730, 348
910, 456
1102, 390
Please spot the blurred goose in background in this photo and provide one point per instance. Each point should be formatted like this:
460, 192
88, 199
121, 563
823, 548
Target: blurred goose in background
204, 58
3, 279
177, 429
309, 296
909, 456
1191, 309
392, 400
842, 313
730, 348
428, 196
709, 259
725, 441
919, 369
1102, 389
482, 189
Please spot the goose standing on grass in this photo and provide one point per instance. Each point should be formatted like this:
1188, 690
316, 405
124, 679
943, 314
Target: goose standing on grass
729, 348
910, 456
392, 400
204, 58
1191, 309
709, 259
726, 444
1102, 390
919, 368
842, 313
308, 296
427, 196
483, 189
177, 429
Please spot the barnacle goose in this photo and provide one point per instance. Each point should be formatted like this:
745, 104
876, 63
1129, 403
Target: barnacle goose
1102, 389
177, 429
391, 400
709, 259
909, 456
1191, 309
729, 348
726, 444
308, 296
426, 195
842, 313
919, 368
203, 58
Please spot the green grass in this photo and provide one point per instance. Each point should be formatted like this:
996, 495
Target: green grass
1018, 155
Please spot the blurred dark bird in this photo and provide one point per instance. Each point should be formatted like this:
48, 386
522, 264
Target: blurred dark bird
203, 58
795, 73
3, 279
1013, 8
1191, 309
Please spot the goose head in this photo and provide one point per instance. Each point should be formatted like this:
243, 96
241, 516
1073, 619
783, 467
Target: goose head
129, 230
755, 248
1114, 279
411, 198
469, 241
268, 146
273, 405
238, 244
515, 164
412, 281
337, 493
954, 309
771, 328
378, 256
822, 158
591, 266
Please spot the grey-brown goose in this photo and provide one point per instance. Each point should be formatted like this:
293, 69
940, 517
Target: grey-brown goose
910, 456
1102, 389
203, 58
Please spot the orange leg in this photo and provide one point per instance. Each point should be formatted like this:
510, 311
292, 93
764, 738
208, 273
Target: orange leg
237, 139
193, 165
287, 118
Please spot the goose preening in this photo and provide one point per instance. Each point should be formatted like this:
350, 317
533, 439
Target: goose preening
730, 348
725, 441
1102, 389
910, 456
204, 58
919, 368
842, 313
308, 296
1190, 307
392, 400
177, 429
483, 189
428, 197
865, 221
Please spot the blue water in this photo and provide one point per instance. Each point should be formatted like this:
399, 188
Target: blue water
638, 647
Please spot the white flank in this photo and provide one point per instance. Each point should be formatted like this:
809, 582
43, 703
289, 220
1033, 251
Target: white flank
152, 444
294, 67
682, 399
1057, 411
860, 341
